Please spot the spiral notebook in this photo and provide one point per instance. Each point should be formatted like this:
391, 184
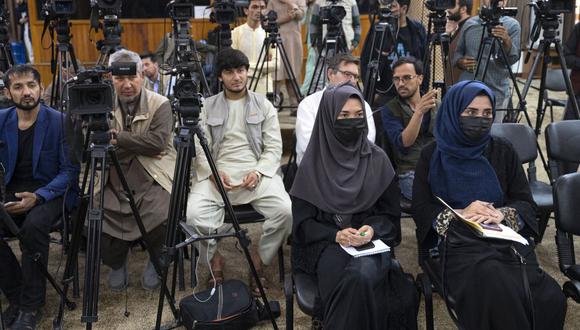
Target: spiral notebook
380, 247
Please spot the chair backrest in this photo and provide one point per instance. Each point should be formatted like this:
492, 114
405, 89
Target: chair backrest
563, 146
567, 210
522, 138
555, 80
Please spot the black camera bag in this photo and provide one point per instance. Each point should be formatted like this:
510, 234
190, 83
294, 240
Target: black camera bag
231, 307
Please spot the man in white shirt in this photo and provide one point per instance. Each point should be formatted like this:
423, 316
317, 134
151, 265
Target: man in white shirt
155, 81
249, 39
341, 68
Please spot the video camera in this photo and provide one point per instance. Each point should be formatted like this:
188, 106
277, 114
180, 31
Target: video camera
268, 21
439, 5
92, 94
224, 11
491, 15
332, 14
554, 7
58, 8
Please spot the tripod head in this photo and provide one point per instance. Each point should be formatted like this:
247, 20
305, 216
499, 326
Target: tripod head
547, 14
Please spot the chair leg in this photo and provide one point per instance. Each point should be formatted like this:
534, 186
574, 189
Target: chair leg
181, 270
543, 218
281, 264
425, 286
289, 293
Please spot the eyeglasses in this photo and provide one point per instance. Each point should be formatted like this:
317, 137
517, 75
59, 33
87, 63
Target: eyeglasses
404, 79
349, 75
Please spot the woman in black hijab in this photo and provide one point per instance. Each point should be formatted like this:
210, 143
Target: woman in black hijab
495, 284
346, 193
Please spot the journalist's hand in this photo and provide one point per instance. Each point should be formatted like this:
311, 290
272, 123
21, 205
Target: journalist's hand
113, 132
250, 181
479, 212
225, 179
346, 236
467, 63
428, 102
27, 201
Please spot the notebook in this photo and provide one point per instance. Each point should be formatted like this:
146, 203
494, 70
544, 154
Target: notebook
380, 247
499, 232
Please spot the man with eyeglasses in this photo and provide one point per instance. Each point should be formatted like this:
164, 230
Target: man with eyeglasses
408, 120
341, 68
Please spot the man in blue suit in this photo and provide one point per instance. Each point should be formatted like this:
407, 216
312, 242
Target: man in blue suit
39, 177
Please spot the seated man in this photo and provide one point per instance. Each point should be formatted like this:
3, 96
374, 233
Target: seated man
38, 174
155, 81
142, 131
341, 68
243, 134
408, 120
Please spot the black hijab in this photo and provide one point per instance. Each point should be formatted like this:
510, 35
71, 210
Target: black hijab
339, 178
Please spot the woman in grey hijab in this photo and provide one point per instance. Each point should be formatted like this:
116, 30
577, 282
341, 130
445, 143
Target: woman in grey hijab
346, 193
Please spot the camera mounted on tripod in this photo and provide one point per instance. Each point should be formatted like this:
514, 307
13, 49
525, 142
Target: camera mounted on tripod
268, 22
224, 11
438, 13
333, 14
493, 13
109, 11
91, 93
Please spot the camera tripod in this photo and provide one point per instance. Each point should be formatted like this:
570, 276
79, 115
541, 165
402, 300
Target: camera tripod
383, 37
334, 43
274, 41
100, 149
438, 38
112, 42
178, 205
63, 56
493, 45
550, 28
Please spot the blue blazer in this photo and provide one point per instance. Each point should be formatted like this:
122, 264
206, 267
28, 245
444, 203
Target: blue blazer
50, 162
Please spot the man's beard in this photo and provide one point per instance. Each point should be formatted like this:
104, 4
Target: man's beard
456, 17
27, 107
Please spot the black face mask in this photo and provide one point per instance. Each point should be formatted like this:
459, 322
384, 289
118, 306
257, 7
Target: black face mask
349, 130
475, 128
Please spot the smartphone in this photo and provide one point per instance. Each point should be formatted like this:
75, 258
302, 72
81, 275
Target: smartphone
8, 204
491, 226
367, 246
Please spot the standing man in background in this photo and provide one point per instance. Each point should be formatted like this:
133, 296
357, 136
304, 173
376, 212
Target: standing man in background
290, 12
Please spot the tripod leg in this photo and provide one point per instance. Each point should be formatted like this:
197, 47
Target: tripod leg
290, 72
569, 89
539, 109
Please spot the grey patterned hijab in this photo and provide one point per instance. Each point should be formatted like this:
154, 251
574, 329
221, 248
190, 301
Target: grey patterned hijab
338, 178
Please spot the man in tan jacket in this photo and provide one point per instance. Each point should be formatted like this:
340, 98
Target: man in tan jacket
142, 131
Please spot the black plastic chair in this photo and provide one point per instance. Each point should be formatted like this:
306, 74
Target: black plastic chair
554, 83
305, 287
563, 146
523, 139
431, 280
566, 192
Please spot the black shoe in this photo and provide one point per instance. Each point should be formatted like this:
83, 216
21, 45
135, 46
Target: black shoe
27, 320
10, 315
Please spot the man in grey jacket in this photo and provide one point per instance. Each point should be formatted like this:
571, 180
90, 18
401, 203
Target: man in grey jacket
243, 134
